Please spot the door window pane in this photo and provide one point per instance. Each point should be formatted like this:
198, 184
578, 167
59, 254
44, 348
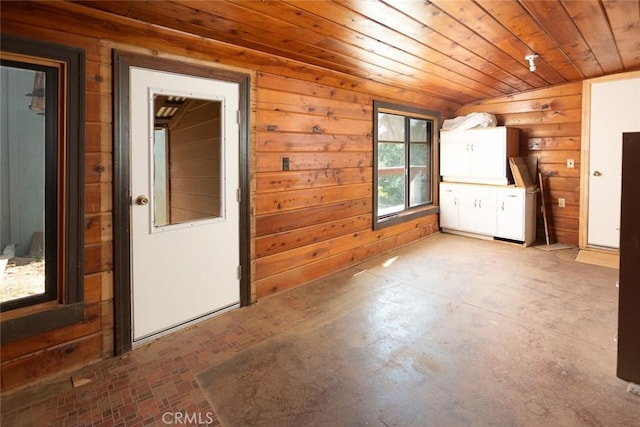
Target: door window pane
187, 160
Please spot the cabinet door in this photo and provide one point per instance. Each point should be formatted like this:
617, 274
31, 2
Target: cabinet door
477, 209
467, 208
487, 159
454, 159
510, 224
448, 206
486, 211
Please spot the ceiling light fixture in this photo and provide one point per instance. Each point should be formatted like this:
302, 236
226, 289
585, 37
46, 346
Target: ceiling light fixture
531, 59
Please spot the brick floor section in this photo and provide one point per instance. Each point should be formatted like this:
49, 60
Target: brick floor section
155, 380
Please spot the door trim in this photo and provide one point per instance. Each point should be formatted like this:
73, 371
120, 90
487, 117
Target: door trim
122, 61
585, 151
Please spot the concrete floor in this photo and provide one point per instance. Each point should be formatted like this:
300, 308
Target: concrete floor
448, 331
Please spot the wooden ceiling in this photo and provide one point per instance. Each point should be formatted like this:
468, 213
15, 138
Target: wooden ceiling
457, 50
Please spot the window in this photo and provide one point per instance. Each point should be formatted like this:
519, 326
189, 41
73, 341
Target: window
187, 160
42, 111
405, 146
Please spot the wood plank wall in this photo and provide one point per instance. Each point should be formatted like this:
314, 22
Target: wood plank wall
306, 223
550, 129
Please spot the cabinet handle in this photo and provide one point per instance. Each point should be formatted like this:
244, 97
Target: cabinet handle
502, 205
475, 203
455, 201
480, 203
471, 147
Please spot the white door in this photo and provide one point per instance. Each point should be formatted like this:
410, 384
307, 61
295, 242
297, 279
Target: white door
184, 212
615, 108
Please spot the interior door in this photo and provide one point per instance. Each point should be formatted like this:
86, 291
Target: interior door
615, 108
184, 162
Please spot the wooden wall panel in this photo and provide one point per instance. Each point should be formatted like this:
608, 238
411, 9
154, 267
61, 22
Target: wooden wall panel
550, 128
366, 244
51, 361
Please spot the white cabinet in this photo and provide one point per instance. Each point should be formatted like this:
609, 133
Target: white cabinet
478, 155
495, 211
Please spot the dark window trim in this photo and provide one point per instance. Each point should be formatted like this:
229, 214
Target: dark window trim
122, 61
71, 307
418, 211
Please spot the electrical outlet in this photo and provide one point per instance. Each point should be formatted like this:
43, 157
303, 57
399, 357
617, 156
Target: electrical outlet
561, 203
570, 163
285, 163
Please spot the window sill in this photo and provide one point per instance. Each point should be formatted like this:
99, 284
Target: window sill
405, 216
50, 318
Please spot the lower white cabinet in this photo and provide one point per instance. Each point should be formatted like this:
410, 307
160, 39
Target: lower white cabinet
496, 211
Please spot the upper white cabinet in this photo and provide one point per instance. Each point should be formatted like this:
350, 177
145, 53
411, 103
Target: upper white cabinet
478, 155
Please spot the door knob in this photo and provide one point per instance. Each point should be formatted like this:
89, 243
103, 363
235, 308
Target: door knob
597, 173
142, 200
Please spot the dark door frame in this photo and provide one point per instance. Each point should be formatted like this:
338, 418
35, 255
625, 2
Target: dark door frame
122, 61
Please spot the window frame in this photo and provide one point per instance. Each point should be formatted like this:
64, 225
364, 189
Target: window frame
408, 213
29, 316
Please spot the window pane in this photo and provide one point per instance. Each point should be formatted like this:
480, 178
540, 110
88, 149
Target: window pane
22, 179
187, 160
419, 173
160, 183
418, 130
391, 178
390, 127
